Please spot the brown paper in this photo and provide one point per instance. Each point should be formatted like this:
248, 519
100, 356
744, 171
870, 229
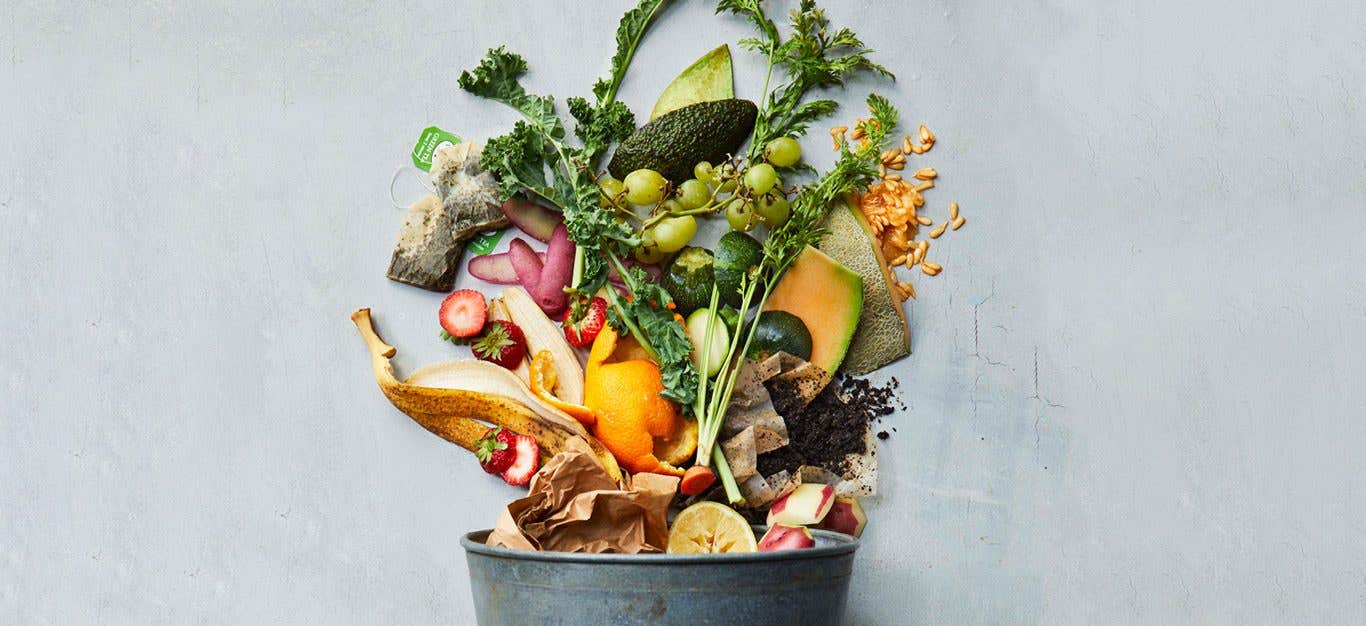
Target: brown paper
741, 454
572, 505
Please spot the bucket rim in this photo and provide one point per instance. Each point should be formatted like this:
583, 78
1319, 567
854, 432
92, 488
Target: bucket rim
835, 544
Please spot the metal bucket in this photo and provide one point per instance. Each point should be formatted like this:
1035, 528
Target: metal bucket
789, 587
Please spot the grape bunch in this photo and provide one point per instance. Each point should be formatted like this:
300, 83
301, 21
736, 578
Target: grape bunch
748, 193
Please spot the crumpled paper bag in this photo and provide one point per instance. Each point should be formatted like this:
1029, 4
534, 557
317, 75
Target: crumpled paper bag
572, 505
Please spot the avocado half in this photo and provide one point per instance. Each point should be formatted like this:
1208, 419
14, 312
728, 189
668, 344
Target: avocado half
675, 142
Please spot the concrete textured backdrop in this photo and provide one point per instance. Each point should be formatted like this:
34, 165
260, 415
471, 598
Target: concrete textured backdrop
1136, 395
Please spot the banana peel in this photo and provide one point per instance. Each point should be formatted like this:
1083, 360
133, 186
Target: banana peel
456, 414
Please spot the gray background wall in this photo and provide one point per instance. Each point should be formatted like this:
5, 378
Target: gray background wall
1137, 389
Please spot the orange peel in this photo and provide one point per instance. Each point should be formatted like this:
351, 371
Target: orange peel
543, 380
642, 429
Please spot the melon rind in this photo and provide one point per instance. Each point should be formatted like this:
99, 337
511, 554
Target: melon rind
883, 335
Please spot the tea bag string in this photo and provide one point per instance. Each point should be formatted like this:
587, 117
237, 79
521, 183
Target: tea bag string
393, 180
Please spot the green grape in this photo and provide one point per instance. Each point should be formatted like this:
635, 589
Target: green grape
693, 194
761, 178
783, 152
650, 256
644, 187
611, 188
703, 172
739, 215
670, 206
727, 175
649, 251
773, 210
671, 234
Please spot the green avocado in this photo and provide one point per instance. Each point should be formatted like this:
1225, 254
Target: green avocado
675, 142
780, 331
736, 252
689, 279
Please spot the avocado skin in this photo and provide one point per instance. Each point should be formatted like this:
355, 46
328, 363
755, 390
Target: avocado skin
675, 142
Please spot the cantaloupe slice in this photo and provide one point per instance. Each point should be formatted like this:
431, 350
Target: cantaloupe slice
883, 336
828, 297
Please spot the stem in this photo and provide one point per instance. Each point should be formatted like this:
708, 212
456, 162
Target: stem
630, 323
655, 219
621, 311
699, 408
578, 266
729, 388
727, 478
716, 412
761, 122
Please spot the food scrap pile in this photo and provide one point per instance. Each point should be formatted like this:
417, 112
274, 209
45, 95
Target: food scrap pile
624, 362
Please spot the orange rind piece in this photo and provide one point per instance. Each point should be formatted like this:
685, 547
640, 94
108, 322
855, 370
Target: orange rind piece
543, 380
642, 429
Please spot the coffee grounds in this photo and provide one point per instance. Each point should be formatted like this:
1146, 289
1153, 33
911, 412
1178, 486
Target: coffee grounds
831, 428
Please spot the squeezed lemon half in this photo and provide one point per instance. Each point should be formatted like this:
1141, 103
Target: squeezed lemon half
710, 528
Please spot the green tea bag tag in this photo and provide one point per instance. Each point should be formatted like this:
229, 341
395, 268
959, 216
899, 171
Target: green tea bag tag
427, 143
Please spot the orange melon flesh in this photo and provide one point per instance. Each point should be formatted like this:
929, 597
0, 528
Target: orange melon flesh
828, 298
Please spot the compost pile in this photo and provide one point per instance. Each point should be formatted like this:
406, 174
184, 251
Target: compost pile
832, 428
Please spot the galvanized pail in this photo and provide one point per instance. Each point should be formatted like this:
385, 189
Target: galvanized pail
789, 587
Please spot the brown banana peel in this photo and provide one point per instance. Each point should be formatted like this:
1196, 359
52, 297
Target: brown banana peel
456, 414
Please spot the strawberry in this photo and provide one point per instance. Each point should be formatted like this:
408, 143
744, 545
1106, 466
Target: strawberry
527, 462
463, 313
495, 451
584, 321
503, 344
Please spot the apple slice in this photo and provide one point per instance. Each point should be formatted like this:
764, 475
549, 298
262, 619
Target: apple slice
781, 537
807, 504
846, 516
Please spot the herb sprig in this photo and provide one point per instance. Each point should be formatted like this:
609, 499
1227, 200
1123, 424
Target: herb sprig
814, 56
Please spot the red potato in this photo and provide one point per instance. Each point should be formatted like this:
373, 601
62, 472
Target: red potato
496, 268
807, 504
845, 516
555, 276
526, 264
533, 219
782, 537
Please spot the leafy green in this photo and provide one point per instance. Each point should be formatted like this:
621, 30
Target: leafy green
496, 79
815, 56
600, 126
647, 316
629, 33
